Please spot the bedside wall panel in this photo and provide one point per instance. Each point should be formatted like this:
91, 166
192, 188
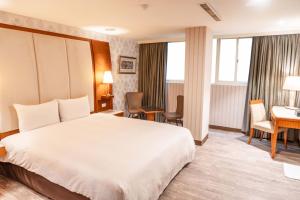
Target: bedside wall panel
80, 70
52, 67
18, 75
37, 67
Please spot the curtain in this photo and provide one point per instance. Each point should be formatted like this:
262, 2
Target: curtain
272, 59
152, 74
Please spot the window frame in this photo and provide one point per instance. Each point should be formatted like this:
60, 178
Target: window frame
218, 48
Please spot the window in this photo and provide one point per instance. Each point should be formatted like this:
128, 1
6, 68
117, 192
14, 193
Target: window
231, 60
227, 60
213, 64
175, 62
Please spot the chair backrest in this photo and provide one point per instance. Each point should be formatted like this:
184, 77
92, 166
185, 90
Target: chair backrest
179, 107
258, 111
134, 100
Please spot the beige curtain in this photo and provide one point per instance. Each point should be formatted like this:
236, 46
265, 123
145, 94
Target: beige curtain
152, 74
272, 59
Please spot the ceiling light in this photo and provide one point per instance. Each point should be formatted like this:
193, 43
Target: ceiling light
144, 6
4, 3
106, 30
258, 3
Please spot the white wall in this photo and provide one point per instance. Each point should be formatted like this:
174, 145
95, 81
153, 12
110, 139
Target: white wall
173, 89
118, 46
227, 105
197, 81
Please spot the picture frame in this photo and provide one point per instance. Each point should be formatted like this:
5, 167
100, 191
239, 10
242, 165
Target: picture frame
127, 65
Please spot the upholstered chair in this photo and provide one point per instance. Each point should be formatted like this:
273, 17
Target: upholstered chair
177, 116
259, 121
134, 104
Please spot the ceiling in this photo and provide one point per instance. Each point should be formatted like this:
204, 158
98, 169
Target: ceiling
164, 18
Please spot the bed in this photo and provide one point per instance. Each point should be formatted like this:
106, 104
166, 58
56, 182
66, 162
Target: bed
99, 157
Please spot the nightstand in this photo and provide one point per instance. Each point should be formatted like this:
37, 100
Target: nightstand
105, 103
2, 150
118, 113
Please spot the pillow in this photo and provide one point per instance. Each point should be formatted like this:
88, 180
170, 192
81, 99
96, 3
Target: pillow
35, 116
73, 108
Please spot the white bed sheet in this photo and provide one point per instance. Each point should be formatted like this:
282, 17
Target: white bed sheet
104, 157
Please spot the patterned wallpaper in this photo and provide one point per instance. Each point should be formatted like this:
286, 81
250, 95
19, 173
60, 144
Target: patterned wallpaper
118, 46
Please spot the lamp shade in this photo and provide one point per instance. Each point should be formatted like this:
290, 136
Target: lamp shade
292, 83
107, 77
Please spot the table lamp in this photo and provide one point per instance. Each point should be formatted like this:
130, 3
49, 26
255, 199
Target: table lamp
107, 79
292, 83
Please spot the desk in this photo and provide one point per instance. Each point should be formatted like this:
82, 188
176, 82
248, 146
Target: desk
284, 118
150, 112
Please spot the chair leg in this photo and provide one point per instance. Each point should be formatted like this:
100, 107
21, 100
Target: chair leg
251, 135
285, 137
274, 143
261, 135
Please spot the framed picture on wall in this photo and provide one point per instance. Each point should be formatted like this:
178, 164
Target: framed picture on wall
127, 65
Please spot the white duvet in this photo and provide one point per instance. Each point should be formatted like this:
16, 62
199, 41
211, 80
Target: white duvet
103, 156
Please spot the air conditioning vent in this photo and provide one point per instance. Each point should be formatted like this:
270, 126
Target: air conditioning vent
211, 11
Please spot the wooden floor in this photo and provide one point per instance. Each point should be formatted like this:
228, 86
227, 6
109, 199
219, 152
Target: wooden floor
225, 168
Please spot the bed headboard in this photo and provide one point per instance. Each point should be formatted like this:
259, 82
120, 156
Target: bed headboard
35, 68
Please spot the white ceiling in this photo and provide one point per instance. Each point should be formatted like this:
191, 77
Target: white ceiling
164, 18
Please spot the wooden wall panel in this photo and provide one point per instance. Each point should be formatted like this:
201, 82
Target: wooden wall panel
227, 105
173, 89
102, 62
18, 75
52, 65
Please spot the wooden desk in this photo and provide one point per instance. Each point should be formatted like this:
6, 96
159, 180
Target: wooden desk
150, 112
284, 118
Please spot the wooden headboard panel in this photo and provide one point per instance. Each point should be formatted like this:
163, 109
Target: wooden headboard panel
38, 66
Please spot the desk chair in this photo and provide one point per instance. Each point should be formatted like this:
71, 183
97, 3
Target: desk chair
259, 121
178, 115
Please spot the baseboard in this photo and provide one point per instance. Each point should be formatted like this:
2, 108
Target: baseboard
201, 142
225, 128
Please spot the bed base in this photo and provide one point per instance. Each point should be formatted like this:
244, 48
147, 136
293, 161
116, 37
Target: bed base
38, 183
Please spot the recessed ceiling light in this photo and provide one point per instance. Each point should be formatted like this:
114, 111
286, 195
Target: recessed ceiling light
106, 30
258, 3
144, 6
